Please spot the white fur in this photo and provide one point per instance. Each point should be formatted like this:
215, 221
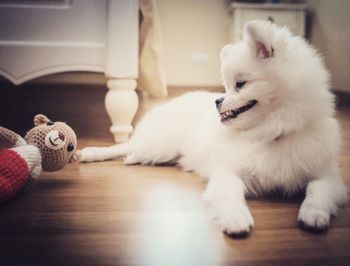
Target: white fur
288, 141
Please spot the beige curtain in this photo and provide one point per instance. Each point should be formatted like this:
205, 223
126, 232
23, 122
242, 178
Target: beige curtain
151, 65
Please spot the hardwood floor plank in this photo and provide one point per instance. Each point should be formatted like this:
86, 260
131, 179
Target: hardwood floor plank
110, 214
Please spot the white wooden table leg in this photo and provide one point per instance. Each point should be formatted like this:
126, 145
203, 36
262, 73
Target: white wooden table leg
122, 65
121, 104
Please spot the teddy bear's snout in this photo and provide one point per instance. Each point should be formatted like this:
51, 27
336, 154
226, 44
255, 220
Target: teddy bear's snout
61, 136
55, 140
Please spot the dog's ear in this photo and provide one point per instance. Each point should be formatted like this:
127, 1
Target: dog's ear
225, 51
259, 36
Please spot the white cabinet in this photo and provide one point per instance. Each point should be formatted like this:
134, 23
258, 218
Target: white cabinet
290, 15
41, 37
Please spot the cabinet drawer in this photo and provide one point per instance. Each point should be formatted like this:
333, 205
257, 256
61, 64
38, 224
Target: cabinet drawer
294, 19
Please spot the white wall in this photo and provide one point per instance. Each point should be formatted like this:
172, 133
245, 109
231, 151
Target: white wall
193, 28
202, 26
330, 33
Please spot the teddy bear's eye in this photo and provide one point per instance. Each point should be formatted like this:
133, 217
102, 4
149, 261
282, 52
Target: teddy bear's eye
70, 147
50, 123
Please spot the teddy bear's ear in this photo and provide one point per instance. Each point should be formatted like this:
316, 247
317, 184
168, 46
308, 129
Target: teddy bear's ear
75, 157
40, 119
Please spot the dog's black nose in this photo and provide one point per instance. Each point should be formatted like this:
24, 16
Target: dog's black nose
219, 101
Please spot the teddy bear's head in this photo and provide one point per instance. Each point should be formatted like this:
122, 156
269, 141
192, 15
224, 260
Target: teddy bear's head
56, 141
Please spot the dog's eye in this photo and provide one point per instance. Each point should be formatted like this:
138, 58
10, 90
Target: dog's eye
240, 84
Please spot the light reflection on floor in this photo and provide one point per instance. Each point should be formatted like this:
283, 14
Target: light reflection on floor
179, 236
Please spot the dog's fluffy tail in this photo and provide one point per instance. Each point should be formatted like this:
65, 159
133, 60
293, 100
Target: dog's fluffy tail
95, 154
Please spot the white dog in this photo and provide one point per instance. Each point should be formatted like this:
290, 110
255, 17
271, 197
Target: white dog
273, 130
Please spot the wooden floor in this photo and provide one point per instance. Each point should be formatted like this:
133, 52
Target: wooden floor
109, 214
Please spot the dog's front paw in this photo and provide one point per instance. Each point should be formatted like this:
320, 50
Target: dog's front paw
312, 218
235, 220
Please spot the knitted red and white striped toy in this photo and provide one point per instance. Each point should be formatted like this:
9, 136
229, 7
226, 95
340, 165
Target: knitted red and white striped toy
49, 146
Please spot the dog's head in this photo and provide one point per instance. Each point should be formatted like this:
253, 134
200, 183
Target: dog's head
274, 81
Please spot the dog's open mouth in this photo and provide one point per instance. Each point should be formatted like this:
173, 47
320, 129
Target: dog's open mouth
230, 114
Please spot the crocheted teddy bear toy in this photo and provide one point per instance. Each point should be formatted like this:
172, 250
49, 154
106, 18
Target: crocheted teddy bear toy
49, 146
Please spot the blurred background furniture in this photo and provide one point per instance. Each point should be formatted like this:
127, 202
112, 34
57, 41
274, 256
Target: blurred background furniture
290, 15
42, 37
